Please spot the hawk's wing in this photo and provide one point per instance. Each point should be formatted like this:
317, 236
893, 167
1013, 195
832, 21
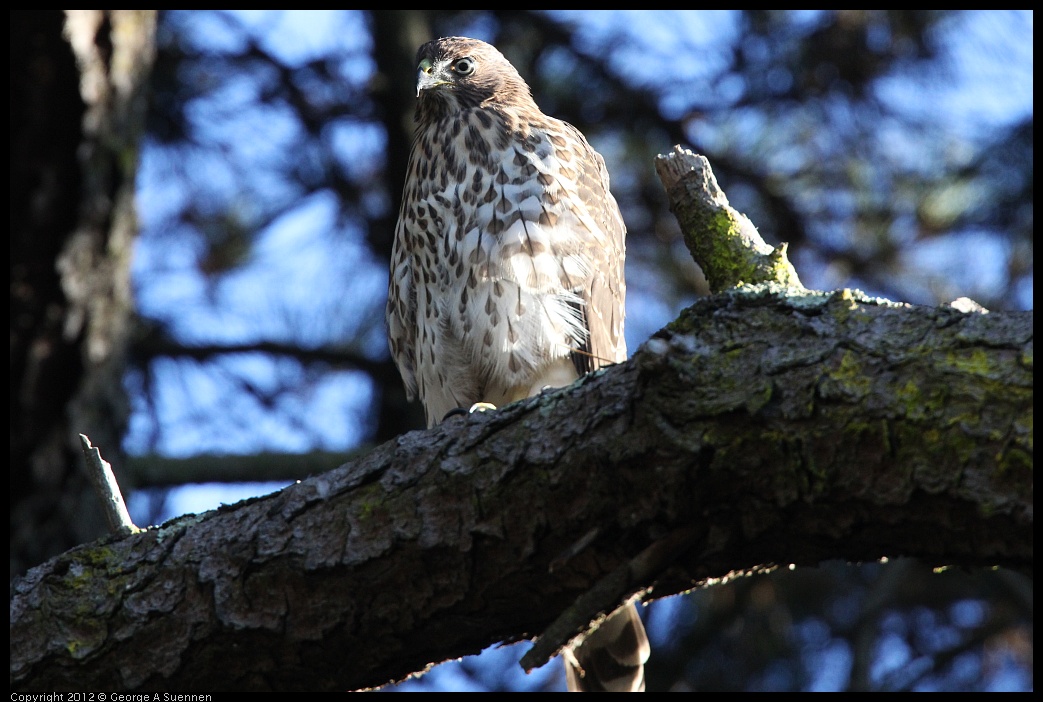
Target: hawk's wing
606, 291
401, 310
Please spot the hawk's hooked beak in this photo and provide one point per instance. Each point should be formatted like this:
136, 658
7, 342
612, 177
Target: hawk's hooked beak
427, 77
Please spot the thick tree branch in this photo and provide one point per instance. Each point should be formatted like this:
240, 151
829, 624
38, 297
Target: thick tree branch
767, 425
773, 428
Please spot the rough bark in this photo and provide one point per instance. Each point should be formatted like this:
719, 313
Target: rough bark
761, 428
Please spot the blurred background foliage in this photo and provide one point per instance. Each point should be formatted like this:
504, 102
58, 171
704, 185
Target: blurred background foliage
892, 150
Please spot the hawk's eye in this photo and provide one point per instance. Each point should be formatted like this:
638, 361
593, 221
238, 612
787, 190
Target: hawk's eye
464, 66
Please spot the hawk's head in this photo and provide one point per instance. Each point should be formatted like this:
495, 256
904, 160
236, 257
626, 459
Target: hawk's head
457, 73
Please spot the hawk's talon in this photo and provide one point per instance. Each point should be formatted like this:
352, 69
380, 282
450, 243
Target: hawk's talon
476, 407
455, 412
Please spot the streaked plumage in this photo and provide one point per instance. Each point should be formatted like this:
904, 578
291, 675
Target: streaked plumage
507, 266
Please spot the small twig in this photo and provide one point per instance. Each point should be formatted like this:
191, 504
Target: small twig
576, 548
100, 473
594, 605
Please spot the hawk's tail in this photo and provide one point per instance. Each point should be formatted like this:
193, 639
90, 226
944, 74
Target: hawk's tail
611, 659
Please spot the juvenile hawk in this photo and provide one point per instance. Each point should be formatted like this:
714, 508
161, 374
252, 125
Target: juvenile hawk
507, 269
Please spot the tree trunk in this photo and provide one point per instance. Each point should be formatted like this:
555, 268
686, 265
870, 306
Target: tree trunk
78, 109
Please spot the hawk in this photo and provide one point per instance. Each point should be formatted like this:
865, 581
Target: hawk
507, 269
